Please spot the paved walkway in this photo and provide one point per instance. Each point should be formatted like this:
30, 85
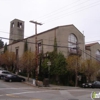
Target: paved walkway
54, 87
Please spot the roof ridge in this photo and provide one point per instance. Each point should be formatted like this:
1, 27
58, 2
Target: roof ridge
90, 44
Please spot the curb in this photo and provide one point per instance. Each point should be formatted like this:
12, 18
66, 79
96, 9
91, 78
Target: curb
42, 87
51, 88
29, 84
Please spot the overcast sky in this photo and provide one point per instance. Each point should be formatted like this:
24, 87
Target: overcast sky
84, 14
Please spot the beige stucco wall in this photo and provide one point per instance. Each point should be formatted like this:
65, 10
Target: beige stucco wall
62, 37
87, 54
19, 45
93, 51
47, 37
12, 48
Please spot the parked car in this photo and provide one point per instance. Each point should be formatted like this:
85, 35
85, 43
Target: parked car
1, 68
87, 85
14, 78
3, 73
96, 84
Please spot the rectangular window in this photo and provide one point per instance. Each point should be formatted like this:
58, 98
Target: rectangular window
39, 48
19, 25
12, 24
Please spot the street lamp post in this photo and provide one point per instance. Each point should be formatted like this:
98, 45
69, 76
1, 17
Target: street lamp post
36, 53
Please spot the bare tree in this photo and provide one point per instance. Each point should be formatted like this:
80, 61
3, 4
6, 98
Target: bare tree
89, 67
8, 58
27, 62
74, 65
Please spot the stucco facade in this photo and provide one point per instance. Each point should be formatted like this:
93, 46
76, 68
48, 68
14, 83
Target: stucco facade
93, 51
47, 41
16, 30
69, 41
62, 37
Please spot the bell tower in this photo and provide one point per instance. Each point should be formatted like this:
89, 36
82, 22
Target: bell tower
16, 30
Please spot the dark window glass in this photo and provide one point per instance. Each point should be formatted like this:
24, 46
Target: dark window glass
39, 48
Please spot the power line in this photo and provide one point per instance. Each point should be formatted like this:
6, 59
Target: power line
9, 33
49, 14
90, 55
93, 41
50, 39
74, 11
67, 41
68, 8
52, 45
47, 40
34, 43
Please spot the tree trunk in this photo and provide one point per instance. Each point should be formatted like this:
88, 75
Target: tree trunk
87, 78
7, 68
76, 78
57, 79
28, 76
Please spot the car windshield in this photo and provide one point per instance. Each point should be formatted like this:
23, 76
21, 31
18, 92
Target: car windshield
6, 72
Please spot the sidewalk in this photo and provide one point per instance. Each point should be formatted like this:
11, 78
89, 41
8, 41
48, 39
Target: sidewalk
52, 87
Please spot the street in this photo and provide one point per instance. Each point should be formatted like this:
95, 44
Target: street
22, 91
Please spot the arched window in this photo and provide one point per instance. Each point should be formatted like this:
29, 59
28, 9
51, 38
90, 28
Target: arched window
72, 40
98, 55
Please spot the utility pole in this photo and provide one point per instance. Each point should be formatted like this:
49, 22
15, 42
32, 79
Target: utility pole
36, 52
77, 48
